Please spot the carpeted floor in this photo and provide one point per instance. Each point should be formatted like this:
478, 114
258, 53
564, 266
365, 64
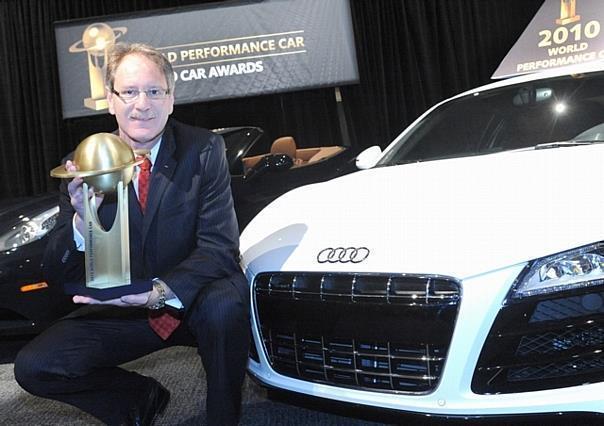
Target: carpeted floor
180, 370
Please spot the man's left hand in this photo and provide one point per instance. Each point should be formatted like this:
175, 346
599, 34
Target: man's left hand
128, 301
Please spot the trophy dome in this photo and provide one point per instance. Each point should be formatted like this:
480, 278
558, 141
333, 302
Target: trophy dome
103, 160
107, 158
97, 38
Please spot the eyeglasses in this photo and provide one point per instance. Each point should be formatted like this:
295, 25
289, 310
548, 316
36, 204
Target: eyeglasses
130, 95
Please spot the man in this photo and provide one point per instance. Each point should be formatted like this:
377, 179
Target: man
184, 238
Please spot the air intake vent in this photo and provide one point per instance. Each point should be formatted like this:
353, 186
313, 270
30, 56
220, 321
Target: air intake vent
544, 343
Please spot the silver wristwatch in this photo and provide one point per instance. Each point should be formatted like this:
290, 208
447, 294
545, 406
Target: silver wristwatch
158, 285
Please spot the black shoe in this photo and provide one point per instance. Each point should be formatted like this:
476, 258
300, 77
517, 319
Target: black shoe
154, 406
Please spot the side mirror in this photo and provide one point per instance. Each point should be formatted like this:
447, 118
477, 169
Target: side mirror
272, 162
369, 157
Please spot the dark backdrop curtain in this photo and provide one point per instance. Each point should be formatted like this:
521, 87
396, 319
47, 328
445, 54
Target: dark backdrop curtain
411, 54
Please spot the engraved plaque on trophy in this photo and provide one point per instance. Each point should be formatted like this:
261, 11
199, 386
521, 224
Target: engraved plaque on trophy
106, 164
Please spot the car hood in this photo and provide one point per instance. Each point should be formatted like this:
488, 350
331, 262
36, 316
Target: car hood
457, 217
13, 209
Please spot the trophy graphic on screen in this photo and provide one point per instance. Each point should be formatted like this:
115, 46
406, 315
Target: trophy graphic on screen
105, 163
567, 12
96, 40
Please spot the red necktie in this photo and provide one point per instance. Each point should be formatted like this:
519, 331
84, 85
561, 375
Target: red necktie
161, 321
143, 183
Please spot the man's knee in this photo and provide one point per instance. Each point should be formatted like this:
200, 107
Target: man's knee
30, 371
221, 309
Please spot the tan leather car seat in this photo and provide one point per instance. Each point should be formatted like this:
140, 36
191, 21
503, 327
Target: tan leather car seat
286, 145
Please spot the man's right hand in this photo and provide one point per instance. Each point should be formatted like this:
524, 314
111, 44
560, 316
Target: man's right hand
76, 194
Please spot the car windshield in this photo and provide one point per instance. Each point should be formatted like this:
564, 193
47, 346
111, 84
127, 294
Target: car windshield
556, 112
238, 141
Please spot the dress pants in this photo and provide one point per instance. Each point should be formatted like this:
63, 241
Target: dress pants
76, 360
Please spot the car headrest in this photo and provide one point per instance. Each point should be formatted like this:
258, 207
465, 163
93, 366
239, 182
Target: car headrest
284, 145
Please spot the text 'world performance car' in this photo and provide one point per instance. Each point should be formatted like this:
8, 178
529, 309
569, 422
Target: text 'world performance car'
460, 274
29, 304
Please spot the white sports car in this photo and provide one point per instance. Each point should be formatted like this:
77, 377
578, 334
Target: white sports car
460, 274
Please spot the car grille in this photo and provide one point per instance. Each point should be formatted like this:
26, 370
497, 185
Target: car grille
363, 331
543, 344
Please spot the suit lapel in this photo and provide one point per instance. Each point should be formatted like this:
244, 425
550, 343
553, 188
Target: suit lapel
161, 176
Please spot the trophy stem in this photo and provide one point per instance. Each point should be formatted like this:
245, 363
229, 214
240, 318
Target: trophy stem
107, 253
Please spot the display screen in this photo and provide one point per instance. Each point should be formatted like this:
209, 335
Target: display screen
218, 51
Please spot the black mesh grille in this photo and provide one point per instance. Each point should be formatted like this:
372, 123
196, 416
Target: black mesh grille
380, 332
554, 370
399, 289
545, 343
572, 338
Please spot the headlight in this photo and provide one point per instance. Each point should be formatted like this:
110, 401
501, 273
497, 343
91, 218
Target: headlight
576, 268
29, 229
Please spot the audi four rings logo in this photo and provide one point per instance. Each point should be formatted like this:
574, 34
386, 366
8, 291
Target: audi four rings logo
343, 255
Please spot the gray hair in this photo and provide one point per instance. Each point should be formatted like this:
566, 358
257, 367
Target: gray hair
121, 50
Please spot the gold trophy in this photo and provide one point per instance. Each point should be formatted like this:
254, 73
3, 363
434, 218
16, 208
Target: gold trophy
96, 40
568, 9
106, 163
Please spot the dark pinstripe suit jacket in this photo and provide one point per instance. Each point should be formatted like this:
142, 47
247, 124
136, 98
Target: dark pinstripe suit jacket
188, 236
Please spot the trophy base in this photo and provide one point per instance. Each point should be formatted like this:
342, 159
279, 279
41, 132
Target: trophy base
80, 289
96, 104
569, 20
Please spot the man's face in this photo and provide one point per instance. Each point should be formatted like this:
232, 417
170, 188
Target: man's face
141, 121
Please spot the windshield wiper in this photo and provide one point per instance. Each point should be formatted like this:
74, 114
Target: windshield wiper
561, 144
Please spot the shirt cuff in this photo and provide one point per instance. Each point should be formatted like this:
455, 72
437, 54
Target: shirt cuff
78, 238
175, 303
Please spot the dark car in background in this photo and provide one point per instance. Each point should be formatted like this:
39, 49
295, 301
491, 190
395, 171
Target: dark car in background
28, 303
